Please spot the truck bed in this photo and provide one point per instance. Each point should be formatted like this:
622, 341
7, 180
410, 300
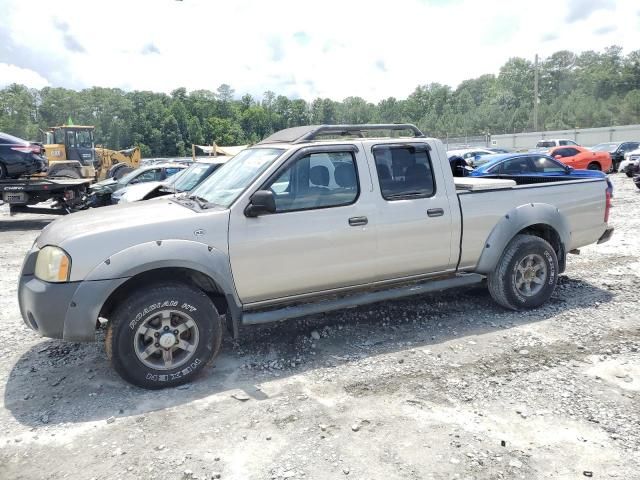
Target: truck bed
476, 184
485, 203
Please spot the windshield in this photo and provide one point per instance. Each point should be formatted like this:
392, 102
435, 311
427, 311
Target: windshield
546, 144
192, 176
229, 181
124, 180
605, 147
175, 177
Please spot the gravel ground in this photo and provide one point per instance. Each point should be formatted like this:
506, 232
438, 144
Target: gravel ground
434, 387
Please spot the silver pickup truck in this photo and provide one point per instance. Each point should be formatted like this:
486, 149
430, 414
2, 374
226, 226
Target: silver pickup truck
311, 219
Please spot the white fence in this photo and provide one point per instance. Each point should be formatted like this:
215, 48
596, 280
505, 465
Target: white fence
583, 136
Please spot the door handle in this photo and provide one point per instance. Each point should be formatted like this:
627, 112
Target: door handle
435, 212
358, 221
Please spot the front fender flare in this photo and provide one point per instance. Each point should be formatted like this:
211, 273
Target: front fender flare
105, 278
515, 221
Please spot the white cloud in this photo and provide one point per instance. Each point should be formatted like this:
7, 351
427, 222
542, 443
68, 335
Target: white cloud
11, 74
334, 51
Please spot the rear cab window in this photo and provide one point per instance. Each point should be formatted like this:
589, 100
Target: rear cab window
404, 171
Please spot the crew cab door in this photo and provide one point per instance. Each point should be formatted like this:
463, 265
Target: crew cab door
413, 212
320, 237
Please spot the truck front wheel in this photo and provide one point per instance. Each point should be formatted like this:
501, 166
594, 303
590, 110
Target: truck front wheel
164, 335
526, 275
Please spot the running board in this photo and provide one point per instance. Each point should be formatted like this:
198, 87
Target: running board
357, 299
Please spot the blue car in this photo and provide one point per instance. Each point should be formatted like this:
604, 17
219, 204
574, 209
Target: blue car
514, 165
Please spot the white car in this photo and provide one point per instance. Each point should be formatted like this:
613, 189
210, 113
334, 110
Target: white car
183, 181
554, 142
631, 159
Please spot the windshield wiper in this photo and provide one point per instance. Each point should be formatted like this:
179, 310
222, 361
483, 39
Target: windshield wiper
203, 203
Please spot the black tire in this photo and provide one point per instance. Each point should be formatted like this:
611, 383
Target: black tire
594, 166
124, 342
629, 173
503, 281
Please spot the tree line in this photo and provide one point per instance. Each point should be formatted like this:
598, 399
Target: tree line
590, 89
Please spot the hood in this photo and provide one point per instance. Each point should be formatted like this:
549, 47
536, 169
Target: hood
92, 236
105, 182
94, 222
110, 184
136, 192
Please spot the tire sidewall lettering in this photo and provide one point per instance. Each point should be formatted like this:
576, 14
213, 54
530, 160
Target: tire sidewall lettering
551, 276
149, 309
165, 377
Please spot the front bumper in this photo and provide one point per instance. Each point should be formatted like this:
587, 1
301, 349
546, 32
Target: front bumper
44, 305
606, 236
62, 310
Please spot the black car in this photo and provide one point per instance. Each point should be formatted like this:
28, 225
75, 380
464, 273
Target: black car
616, 150
19, 157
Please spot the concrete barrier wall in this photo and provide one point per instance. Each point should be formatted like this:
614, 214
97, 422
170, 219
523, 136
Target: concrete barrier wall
583, 136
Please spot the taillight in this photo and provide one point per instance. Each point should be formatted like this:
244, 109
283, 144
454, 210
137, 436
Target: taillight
607, 205
29, 149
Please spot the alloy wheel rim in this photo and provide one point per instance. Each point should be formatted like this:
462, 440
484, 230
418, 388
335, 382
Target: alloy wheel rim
530, 275
166, 339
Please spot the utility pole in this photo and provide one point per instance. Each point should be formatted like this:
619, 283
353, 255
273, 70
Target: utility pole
535, 95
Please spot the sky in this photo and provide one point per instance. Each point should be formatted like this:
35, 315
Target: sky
373, 49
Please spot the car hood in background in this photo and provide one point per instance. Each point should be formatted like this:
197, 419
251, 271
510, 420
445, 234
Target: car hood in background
108, 185
137, 192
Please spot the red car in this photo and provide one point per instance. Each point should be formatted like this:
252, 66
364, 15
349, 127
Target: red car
582, 158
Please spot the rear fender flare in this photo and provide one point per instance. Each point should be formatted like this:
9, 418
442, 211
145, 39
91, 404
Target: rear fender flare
515, 221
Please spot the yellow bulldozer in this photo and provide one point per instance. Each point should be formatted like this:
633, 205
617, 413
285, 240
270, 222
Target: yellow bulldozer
71, 153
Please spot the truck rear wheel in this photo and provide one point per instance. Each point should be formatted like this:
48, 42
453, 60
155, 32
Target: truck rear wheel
164, 335
526, 275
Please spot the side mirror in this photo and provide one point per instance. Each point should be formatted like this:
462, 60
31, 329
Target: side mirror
262, 202
558, 157
568, 169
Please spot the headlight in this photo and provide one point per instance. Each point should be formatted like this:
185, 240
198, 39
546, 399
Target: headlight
53, 265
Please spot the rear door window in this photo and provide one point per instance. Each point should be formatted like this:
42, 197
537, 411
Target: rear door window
514, 166
565, 152
404, 171
547, 165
